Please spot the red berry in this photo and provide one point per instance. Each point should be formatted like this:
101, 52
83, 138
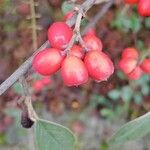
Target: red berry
68, 15
131, 1
145, 66
92, 42
47, 61
77, 51
38, 85
59, 34
130, 53
91, 31
144, 8
135, 74
99, 65
23, 9
127, 65
73, 71
46, 81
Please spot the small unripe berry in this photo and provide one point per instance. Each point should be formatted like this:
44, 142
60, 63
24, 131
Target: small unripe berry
130, 53
37, 86
59, 34
73, 71
127, 65
131, 1
144, 8
68, 15
145, 66
135, 74
93, 43
77, 51
99, 65
47, 61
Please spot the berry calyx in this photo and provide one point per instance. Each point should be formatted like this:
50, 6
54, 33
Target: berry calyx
127, 65
144, 8
73, 71
130, 53
131, 1
47, 61
145, 66
59, 34
135, 74
99, 65
77, 51
93, 43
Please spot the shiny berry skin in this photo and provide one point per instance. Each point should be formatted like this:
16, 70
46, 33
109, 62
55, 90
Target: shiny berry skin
38, 85
131, 1
77, 51
73, 71
59, 34
135, 74
127, 65
144, 8
68, 15
47, 61
145, 66
130, 53
92, 42
99, 65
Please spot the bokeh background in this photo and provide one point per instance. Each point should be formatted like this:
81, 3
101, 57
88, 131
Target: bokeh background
93, 111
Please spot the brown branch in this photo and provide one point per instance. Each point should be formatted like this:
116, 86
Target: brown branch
22, 70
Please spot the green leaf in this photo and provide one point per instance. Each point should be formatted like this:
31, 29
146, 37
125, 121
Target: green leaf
52, 136
66, 7
127, 93
114, 94
133, 130
17, 88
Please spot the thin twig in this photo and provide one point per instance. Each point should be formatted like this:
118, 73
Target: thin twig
33, 23
27, 101
98, 16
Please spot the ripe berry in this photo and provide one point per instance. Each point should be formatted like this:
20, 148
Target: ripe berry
59, 34
144, 8
68, 15
92, 42
37, 86
130, 53
127, 65
47, 61
145, 66
135, 74
73, 71
77, 51
91, 31
99, 65
131, 1
23, 9
46, 81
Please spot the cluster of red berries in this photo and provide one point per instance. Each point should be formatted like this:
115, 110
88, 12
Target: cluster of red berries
131, 66
77, 65
142, 5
